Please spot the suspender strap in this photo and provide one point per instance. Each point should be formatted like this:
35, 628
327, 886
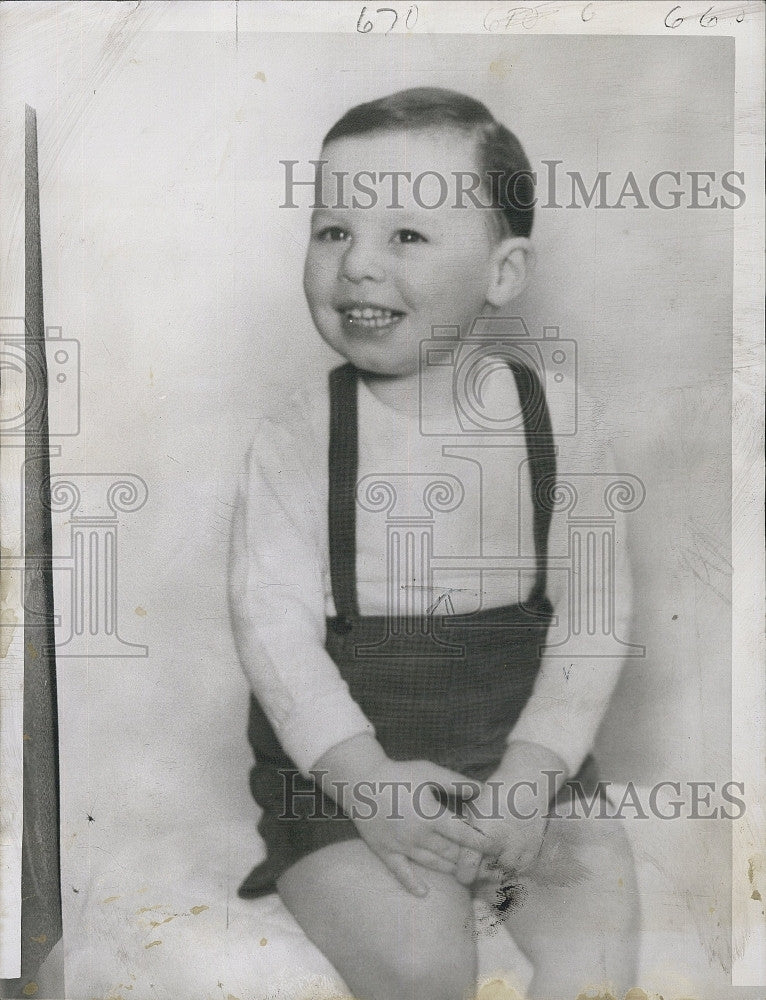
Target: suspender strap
343, 466
541, 452
343, 463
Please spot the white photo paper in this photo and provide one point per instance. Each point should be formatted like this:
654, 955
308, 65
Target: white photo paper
518, 534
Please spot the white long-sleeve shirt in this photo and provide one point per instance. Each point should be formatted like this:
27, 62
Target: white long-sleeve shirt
279, 584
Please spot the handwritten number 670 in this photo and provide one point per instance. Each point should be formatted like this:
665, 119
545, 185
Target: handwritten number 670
363, 26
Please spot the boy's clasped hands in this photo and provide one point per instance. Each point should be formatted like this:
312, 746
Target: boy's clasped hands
498, 831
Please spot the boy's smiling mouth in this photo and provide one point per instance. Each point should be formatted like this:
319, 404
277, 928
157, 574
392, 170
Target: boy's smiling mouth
369, 317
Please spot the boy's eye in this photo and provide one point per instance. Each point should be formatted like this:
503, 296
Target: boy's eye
409, 236
331, 234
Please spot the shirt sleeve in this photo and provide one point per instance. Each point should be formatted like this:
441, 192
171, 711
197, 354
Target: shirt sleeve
571, 695
277, 603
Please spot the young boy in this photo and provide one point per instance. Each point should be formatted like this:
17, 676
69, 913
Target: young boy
432, 741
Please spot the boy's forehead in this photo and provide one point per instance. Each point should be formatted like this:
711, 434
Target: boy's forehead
426, 163
416, 151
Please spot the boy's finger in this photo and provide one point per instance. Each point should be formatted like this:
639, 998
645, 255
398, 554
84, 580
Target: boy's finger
456, 829
467, 867
491, 870
521, 863
437, 844
405, 872
431, 860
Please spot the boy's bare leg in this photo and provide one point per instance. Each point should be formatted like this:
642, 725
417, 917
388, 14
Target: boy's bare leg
584, 935
386, 943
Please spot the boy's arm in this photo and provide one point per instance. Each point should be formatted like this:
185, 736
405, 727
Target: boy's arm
276, 600
571, 695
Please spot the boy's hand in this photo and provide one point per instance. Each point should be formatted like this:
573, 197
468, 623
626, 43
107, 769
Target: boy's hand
416, 828
511, 813
513, 833
396, 811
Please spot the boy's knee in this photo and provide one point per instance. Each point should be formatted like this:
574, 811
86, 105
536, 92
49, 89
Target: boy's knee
603, 842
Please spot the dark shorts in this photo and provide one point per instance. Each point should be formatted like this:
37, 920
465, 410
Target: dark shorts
449, 691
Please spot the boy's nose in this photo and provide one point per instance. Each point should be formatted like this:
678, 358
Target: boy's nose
361, 262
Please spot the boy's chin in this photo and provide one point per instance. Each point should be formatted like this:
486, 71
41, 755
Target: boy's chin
379, 369
373, 362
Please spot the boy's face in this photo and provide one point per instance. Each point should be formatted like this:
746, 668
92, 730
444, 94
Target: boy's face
378, 279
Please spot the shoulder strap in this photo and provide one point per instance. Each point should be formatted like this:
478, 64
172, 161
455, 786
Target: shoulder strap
541, 450
342, 466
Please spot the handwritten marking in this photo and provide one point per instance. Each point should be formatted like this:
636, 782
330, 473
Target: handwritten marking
527, 15
708, 18
364, 26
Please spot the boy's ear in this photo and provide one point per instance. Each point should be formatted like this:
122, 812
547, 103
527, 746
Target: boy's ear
511, 265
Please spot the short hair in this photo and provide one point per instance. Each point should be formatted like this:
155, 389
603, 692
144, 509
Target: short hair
502, 161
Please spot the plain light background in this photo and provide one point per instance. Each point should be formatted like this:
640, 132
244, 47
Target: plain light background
166, 254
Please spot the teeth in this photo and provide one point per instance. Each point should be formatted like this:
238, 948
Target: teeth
370, 316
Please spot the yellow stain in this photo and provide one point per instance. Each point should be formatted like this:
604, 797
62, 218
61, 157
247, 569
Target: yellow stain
198, 909
110, 899
756, 896
263, 942
500, 68
636, 994
153, 943
260, 75
9, 620
497, 989
40, 939
30, 989
141, 612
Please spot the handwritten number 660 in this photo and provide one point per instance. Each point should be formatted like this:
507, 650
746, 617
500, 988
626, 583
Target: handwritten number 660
707, 19
410, 20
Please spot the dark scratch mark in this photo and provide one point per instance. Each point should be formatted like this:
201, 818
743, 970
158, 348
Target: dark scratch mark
508, 895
